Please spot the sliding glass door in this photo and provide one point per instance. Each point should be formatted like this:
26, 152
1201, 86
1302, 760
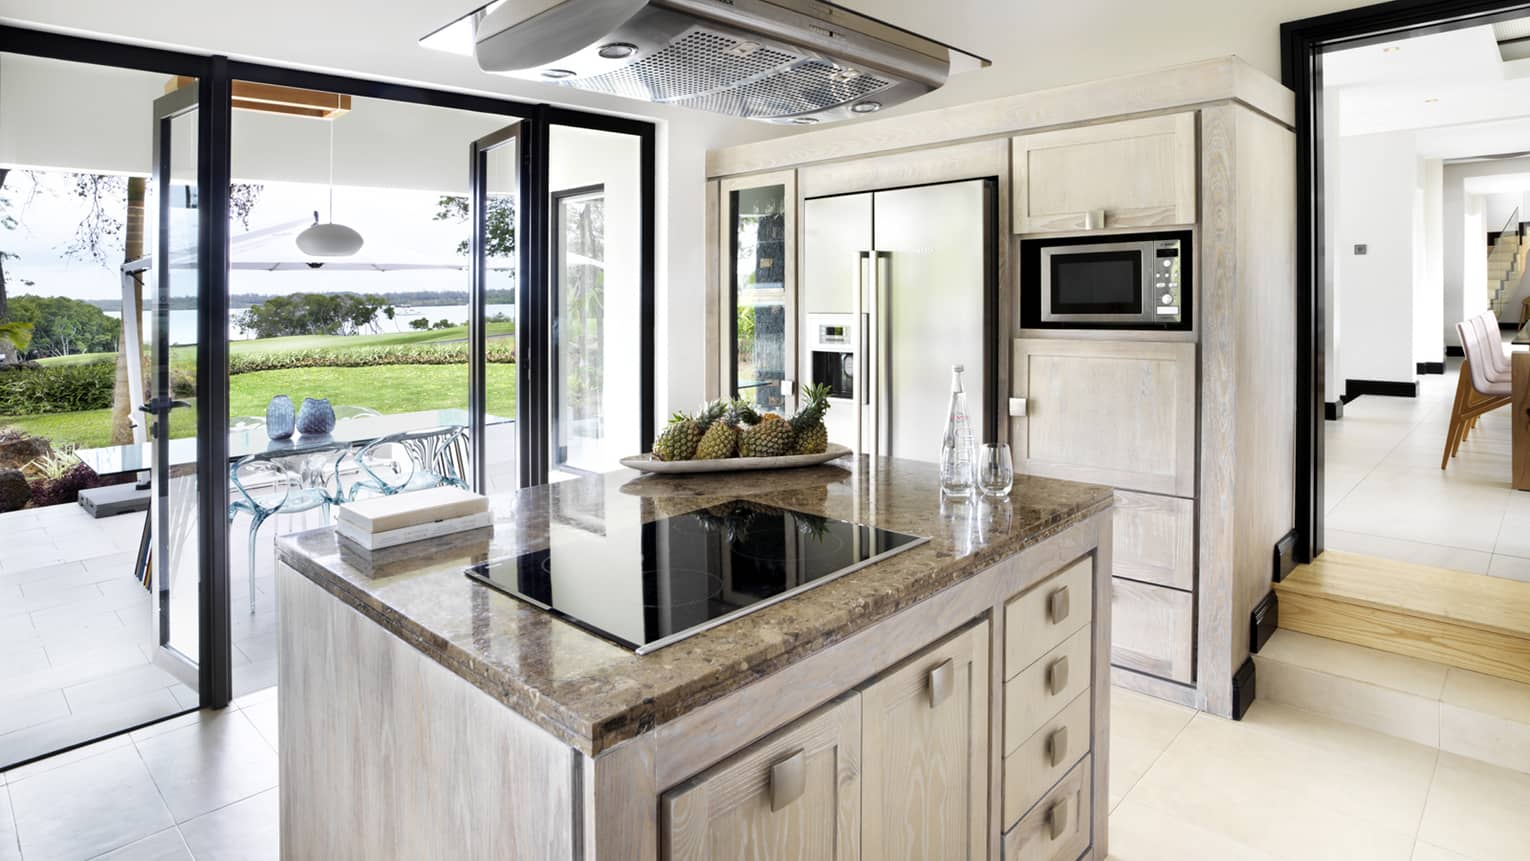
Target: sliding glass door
495, 175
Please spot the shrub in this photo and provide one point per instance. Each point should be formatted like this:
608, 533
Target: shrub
57, 389
499, 352
64, 489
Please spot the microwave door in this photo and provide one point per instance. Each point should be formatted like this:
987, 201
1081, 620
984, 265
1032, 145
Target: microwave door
1100, 283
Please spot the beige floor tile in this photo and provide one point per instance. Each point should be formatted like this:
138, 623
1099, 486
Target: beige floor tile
1426, 852
1488, 694
1140, 831
1478, 810
1403, 550
1372, 707
1510, 567
1487, 719
1141, 728
1421, 678
1357, 794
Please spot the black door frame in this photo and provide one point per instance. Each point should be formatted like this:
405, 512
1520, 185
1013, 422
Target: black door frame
1302, 44
216, 75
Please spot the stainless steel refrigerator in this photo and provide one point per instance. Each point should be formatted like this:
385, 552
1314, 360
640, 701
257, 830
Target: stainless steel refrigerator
897, 286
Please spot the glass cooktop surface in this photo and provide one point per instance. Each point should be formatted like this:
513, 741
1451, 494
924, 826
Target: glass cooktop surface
652, 584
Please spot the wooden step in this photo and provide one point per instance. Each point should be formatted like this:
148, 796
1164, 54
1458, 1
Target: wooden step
1450, 617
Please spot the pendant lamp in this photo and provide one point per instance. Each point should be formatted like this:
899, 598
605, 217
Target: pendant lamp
329, 239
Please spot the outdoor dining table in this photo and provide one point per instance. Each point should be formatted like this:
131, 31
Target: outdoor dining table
1520, 410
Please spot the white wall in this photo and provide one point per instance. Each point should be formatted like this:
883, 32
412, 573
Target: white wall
1429, 304
1333, 294
1467, 221
1378, 183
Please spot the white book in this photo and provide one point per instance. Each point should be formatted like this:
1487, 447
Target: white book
418, 532
387, 513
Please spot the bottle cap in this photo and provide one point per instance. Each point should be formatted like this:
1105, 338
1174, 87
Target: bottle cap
957, 369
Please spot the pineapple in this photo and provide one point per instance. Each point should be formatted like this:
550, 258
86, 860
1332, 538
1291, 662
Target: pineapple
811, 435
720, 440
771, 436
679, 440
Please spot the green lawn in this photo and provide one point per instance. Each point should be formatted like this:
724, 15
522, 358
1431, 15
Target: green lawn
309, 342
385, 388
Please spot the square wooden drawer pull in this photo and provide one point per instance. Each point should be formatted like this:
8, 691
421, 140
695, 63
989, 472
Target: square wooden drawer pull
1057, 819
1057, 676
788, 778
1057, 746
1057, 605
940, 682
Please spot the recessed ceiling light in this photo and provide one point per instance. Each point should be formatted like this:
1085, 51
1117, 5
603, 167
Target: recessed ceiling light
1391, 49
557, 74
1431, 100
618, 50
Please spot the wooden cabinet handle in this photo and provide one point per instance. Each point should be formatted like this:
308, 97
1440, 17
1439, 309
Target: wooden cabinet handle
1057, 676
1057, 605
941, 679
1057, 746
1057, 819
788, 778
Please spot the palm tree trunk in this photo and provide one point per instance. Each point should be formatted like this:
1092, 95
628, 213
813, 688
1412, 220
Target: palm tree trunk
122, 403
7, 350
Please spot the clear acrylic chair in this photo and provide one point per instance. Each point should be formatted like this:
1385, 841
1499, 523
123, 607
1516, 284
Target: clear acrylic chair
413, 460
265, 486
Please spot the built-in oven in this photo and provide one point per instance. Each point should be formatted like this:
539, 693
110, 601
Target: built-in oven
1116, 281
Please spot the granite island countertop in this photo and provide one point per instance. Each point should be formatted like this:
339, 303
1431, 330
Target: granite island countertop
592, 693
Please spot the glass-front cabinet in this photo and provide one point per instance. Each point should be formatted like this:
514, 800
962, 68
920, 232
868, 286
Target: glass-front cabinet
758, 240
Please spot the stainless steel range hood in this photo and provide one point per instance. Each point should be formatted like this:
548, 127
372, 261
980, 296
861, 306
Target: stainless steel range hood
780, 61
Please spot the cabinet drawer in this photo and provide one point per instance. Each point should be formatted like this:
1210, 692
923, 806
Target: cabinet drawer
1030, 699
1039, 619
1154, 539
796, 794
1140, 172
1046, 756
1058, 827
1152, 630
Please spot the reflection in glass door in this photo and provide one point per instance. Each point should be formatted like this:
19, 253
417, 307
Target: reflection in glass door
176, 570
578, 300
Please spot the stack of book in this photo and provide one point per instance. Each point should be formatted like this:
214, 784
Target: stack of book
388, 521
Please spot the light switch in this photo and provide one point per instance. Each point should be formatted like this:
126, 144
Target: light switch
1017, 407
1360, 249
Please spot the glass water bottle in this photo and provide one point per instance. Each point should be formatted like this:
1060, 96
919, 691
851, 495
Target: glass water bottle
956, 447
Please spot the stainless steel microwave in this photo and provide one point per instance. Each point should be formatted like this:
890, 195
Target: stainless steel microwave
1120, 281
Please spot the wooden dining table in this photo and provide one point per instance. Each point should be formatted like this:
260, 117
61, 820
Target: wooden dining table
1520, 410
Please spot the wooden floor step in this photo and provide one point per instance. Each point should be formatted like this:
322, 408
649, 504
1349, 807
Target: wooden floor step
1450, 617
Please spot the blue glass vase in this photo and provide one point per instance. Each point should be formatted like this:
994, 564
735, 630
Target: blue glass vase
315, 417
279, 418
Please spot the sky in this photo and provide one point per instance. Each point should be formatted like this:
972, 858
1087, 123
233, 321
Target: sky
397, 227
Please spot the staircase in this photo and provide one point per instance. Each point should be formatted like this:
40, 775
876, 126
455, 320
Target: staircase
1435, 656
1506, 265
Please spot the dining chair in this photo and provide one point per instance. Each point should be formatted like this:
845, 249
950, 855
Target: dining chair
1478, 391
266, 486
412, 460
1524, 312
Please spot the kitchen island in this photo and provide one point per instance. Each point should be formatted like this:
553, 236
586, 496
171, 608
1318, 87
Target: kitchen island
948, 701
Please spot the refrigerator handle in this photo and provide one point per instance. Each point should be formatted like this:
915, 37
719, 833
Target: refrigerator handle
882, 260
863, 354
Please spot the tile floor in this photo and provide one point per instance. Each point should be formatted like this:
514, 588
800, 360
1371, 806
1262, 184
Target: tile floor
1183, 787
1385, 495
200, 786
78, 631
203, 786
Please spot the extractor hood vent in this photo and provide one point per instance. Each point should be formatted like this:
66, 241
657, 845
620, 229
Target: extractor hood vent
783, 61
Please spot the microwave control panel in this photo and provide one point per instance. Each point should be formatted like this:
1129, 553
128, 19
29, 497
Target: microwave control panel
1166, 281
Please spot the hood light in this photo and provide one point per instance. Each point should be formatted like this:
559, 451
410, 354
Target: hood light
805, 121
557, 74
866, 107
618, 50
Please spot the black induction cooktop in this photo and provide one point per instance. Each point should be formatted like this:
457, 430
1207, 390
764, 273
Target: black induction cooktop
652, 584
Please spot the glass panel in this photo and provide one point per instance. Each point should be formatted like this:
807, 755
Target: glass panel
596, 301
501, 260
759, 289
174, 358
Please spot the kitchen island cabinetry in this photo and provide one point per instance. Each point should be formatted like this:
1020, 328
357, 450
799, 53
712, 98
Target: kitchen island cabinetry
424, 715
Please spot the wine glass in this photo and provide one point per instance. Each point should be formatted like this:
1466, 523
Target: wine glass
996, 473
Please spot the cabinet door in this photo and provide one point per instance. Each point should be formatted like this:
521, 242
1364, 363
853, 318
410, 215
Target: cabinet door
1141, 173
757, 235
1154, 539
795, 795
1152, 630
925, 738
1120, 413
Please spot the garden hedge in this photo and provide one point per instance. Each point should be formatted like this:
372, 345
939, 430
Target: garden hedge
57, 388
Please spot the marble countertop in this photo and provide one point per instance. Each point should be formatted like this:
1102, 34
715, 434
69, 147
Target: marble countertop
593, 694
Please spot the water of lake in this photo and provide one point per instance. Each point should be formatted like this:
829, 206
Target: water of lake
183, 323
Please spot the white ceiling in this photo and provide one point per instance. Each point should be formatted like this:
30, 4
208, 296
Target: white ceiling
1453, 88
1497, 183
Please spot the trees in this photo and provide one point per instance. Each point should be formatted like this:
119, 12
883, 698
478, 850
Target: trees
12, 334
315, 314
499, 225
63, 326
